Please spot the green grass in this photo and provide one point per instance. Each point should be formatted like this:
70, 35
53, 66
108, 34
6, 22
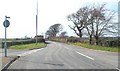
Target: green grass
28, 46
111, 49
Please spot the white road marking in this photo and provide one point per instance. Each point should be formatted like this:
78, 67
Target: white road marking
118, 69
29, 52
85, 55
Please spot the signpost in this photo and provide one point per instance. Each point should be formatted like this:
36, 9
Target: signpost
6, 24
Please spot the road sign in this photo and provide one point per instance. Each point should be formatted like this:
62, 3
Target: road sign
6, 23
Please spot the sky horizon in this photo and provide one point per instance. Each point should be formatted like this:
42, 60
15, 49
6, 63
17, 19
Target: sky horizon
23, 15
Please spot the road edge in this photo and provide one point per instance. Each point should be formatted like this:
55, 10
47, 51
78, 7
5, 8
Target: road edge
14, 59
9, 63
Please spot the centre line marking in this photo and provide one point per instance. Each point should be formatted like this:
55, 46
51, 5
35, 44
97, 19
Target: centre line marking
85, 56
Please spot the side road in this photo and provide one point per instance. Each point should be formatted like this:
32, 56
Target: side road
11, 55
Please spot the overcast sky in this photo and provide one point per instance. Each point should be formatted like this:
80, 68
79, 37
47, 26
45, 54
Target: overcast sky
22, 15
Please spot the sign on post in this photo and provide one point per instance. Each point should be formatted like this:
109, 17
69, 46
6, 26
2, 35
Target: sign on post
6, 24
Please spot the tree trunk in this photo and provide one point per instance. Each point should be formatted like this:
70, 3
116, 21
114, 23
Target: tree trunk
80, 33
90, 40
97, 40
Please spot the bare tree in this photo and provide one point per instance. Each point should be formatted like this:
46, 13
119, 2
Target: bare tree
100, 22
83, 19
54, 30
103, 22
79, 19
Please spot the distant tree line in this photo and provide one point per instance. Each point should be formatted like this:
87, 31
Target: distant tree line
56, 29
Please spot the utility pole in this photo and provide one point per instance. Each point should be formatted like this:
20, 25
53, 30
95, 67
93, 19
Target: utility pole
118, 32
36, 23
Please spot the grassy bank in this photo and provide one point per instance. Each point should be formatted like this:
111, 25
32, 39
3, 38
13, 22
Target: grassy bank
28, 46
112, 49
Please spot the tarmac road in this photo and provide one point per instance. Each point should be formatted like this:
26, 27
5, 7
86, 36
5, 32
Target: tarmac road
63, 56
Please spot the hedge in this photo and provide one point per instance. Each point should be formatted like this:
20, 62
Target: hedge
19, 42
103, 42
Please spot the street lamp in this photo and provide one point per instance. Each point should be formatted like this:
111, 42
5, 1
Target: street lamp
6, 24
36, 23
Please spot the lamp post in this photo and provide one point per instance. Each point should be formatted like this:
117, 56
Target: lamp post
36, 23
6, 24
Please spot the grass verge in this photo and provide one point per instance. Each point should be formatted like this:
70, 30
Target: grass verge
28, 46
111, 49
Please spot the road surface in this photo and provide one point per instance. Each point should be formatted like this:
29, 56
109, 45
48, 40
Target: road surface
63, 56
10, 53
